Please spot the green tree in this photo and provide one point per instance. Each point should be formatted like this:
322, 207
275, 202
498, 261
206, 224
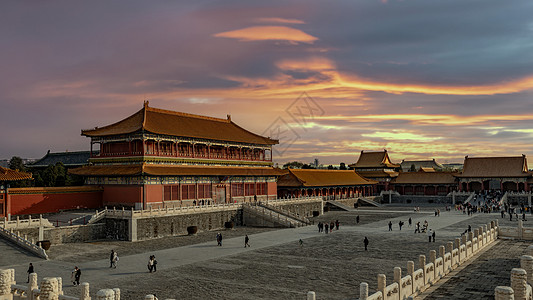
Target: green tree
342, 166
16, 163
413, 168
331, 167
308, 166
293, 165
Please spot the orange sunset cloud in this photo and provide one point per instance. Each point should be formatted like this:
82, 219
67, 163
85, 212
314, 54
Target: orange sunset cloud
265, 33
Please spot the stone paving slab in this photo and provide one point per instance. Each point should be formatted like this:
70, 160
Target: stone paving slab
275, 267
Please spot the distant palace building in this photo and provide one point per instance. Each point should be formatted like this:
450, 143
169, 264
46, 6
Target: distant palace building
495, 173
158, 156
330, 184
376, 166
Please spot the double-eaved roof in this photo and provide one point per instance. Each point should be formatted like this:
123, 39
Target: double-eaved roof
483, 167
321, 178
13, 175
374, 159
172, 123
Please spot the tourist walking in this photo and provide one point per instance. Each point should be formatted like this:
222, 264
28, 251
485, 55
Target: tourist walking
331, 225
357, 220
433, 236
301, 242
410, 221
417, 229
326, 227
390, 225
319, 225
114, 259
150, 264
337, 224
30, 270
76, 274
365, 241
400, 224
246, 240
111, 256
430, 235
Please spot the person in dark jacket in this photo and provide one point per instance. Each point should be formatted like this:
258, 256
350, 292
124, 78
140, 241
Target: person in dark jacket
30, 270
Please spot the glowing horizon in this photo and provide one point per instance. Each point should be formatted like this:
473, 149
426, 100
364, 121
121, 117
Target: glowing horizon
340, 77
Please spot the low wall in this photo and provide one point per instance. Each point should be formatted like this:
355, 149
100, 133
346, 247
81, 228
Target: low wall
348, 202
156, 227
26, 201
300, 209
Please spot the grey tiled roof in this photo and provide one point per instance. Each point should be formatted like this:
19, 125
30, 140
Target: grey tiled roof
69, 159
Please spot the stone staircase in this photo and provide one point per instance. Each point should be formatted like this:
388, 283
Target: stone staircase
267, 216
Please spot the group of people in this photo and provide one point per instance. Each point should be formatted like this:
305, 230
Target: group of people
400, 224
325, 227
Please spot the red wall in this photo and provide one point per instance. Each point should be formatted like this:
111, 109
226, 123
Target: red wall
122, 195
40, 203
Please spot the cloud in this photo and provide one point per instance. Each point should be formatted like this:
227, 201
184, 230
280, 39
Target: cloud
266, 33
279, 20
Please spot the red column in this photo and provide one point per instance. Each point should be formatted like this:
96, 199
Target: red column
192, 148
208, 151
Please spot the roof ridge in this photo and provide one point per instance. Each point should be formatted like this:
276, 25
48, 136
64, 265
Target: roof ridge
171, 112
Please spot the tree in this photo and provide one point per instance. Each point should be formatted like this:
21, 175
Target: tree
330, 167
342, 166
308, 166
293, 165
16, 163
413, 168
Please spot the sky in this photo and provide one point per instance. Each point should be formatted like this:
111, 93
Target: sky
421, 78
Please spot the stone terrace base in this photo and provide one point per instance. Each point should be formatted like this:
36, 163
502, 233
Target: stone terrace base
482, 276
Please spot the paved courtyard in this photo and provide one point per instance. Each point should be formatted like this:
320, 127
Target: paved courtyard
275, 266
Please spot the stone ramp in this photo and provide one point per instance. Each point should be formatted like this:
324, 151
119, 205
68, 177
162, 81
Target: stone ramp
11, 254
266, 216
369, 201
339, 205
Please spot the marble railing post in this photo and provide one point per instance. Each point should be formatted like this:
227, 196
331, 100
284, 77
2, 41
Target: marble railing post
311, 295
12, 276
458, 243
519, 282
117, 293
85, 291
463, 239
503, 293
449, 246
442, 252
105, 294
526, 263
5, 283
49, 289
411, 269
529, 250
32, 285
422, 261
432, 259
363, 291
59, 285
476, 233
149, 297
471, 236
520, 234
398, 278
382, 283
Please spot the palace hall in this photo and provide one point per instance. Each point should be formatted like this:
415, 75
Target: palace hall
156, 157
